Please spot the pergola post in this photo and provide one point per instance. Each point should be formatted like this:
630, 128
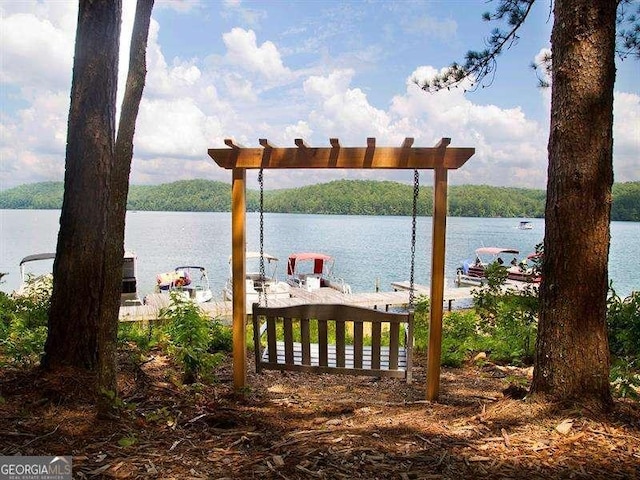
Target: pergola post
238, 272
439, 227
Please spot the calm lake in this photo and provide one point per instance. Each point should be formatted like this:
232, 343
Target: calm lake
367, 249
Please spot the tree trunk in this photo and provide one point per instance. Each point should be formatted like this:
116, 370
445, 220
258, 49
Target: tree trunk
108, 331
572, 354
87, 275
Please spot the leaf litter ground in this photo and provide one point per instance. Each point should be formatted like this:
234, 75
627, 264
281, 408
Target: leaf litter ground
299, 426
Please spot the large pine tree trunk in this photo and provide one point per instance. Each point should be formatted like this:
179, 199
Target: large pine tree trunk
87, 275
572, 354
108, 332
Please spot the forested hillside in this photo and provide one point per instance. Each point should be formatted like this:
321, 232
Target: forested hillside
348, 197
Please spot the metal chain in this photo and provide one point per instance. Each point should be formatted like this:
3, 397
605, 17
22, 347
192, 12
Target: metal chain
414, 214
262, 294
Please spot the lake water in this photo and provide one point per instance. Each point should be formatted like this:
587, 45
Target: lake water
367, 249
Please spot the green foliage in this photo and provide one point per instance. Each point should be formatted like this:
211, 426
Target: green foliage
460, 337
625, 379
344, 197
626, 202
189, 330
181, 196
23, 323
135, 333
509, 318
421, 323
220, 337
623, 322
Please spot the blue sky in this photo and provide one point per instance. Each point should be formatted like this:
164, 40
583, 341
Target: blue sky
298, 69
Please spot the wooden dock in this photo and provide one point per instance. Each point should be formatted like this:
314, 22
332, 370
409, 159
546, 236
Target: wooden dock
222, 309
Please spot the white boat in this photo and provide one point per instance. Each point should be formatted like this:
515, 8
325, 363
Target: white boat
191, 281
312, 271
259, 287
33, 275
472, 271
29, 280
524, 225
129, 294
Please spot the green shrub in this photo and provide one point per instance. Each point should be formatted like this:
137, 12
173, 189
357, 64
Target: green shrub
625, 379
421, 324
23, 323
460, 337
220, 337
509, 318
623, 322
135, 333
188, 330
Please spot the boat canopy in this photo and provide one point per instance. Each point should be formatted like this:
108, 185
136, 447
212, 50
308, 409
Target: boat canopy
253, 255
318, 260
188, 267
495, 251
37, 256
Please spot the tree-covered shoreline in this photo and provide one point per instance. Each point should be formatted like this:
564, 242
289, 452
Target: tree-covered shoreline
339, 197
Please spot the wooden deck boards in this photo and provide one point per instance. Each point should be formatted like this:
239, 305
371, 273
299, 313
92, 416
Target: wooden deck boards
222, 308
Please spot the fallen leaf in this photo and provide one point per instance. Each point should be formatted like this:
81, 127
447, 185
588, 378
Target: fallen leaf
565, 426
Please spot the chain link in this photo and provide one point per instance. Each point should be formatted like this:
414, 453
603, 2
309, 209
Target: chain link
262, 294
414, 214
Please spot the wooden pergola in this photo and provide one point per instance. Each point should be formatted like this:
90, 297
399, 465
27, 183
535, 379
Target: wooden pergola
439, 158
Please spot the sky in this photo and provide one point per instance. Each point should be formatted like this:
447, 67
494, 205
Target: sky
281, 70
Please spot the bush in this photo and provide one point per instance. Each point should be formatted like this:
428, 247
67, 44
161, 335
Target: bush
189, 331
625, 380
135, 333
421, 323
509, 318
460, 337
23, 323
623, 322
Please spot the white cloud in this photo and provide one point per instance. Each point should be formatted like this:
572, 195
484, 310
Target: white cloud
251, 91
180, 6
626, 136
37, 50
243, 51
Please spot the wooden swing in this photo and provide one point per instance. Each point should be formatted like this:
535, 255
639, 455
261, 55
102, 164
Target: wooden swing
309, 352
439, 158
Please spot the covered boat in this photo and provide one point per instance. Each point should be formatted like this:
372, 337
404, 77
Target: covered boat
472, 271
191, 280
259, 286
312, 271
128, 296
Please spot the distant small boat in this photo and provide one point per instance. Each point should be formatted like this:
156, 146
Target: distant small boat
525, 226
191, 281
312, 271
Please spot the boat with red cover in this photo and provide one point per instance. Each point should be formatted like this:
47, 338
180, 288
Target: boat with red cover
312, 271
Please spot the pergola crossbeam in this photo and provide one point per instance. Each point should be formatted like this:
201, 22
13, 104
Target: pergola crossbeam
336, 156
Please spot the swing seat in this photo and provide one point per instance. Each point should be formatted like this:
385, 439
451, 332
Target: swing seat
367, 342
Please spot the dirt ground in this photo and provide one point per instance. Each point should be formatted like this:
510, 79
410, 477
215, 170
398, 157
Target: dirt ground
297, 426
